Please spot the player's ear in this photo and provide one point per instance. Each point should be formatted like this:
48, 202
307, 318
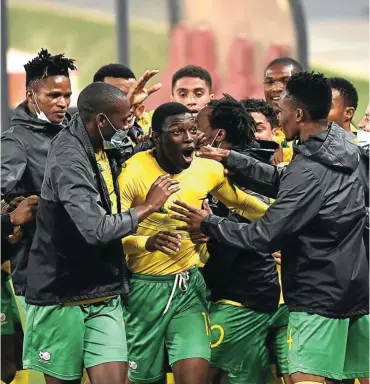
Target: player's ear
299, 115
349, 113
212, 96
221, 135
156, 138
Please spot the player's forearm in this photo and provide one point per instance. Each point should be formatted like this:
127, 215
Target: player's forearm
112, 227
235, 235
253, 174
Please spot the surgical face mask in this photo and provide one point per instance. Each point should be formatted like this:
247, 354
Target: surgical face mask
40, 114
117, 138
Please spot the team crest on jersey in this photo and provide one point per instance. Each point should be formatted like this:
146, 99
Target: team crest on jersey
2, 317
214, 200
44, 357
132, 365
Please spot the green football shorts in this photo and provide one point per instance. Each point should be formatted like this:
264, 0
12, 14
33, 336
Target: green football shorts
60, 340
277, 338
333, 348
166, 310
239, 343
9, 312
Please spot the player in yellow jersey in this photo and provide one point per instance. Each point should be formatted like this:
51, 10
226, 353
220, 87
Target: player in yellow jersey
276, 75
167, 303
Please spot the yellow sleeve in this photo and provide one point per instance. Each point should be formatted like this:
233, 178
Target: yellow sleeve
250, 207
128, 186
203, 254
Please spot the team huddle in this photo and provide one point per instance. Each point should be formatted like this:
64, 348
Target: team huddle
223, 240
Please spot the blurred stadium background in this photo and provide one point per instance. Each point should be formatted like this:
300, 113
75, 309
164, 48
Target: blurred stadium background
233, 39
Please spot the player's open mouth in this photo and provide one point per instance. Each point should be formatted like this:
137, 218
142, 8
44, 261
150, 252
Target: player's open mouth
276, 98
188, 155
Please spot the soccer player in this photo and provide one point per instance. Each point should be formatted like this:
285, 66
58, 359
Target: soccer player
76, 272
192, 87
265, 119
276, 75
11, 328
244, 285
317, 221
123, 78
24, 147
344, 103
167, 304
343, 107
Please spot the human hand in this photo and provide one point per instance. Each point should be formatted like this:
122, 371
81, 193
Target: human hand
190, 215
160, 191
25, 211
213, 153
167, 242
138, 93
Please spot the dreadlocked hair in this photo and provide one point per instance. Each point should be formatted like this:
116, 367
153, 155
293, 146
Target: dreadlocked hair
230, 115
260, 106
45, 65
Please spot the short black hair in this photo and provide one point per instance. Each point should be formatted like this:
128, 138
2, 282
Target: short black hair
346, 89
261, 106
96, 98
312, 92
45, 65
230, 115
165, 110
119, 71
192, 71
285, 61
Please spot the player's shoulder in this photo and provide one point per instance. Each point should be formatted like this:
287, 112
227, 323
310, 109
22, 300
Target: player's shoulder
209, 165
139, 158
138, 162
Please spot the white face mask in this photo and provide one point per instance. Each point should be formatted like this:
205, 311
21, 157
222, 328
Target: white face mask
40, 114
116, 139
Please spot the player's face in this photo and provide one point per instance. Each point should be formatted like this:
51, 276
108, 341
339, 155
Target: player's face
177, 141
192, 92
337, 112
275, 81
123, 84
264, 131
53, 96
118, 119
205, 126
287, 116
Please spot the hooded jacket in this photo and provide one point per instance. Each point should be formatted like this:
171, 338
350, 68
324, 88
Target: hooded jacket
317, 221
24, 148
77, 252
243, 276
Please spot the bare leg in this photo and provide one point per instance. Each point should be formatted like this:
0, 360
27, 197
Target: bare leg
191, 371
8, 366
112, 373
214, 375
54, 380
364, 381
298, 376
287, 379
